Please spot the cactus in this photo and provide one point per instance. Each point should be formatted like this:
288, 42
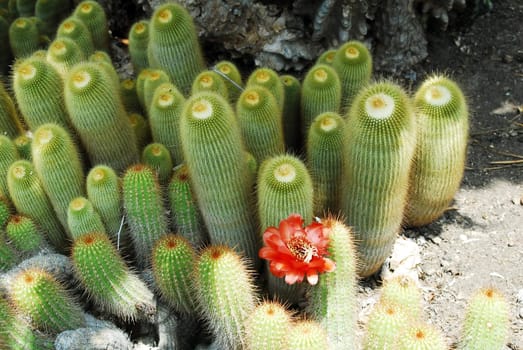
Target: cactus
23, 146
209, 80
325, 161
24, 234
216, 161
94, 17
37, 294
267, 327
138, 42
141, 130
63, 54
104, 60
50, 12
107, 279
140, 81
100, 118
385, 322
486, 323
421, 336
104, 192
327, 57
25, 8
333, 301
29, 198
403, 291
155, 78
173, 260
9, 122
307, 335
259, 118
226, 294
320, 92
270, 80
82, 218
380, 136
353, 63
5, 211
24, 37
173, 45
439, 161
38, 89
8, 258
164, 119
8, 155
129, 96
186, 216
76, 30
157, 156
143, 205
232, 77
291, 113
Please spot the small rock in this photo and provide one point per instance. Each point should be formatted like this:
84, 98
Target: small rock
437, 240
463, 237
520, 314
519, 297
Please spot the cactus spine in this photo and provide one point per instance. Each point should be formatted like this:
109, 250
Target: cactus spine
225, 294
107, 280
94, 17
332, 302
404, 292
259, 118
37, 294
82, 218
217, 166
209, 80
76, 30
155, 78
23, 146
380, 135
138, 42
23, 234
325, 161
173, 45
24, 37
157, 156
420, 336
29, 198
233, 79
267, 327
270, 80
385, 322
99, 117
9, 122
307, 335
8, 155
439, 161
63, 54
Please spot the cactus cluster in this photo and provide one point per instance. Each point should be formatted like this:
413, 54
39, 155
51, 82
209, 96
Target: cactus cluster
162, 187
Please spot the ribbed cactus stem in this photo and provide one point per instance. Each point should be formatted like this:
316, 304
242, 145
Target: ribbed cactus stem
307, 335
225, 294
8, 155
138, 42
93, 15
23, 146
10, 124
23, 37
24, 234
421, 336
63, 54
291, 113
267, 327
83, 218
333, 301
141, 129
403, 291
385, 322
233, 79
269, 79
157, 156
209, 80
8, 257
155, 78
76, 30
129, 96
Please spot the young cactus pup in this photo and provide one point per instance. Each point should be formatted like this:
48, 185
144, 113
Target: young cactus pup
439, 161
380, 134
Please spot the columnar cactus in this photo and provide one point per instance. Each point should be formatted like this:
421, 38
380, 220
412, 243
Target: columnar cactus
385, 322
327, 57
403, 291
291, 112
24, 37
173, 45
129, 96
93, 15
157, 156
76, 30
439, 162
380, 134
260, 120
270, 80
138, 42
49, 12
209, 80
8, 155
155, 78
107, 279
421, 336
9, 121
83, 218
99, 117
23, 146
217, 166
226, 294
233, 79
63, 53
307, 335
267, 327
24, 234
141, 129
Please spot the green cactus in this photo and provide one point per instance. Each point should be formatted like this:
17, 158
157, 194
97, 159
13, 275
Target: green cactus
155, 78
173, 260
8, 155
320, 92
29, 198
267, 327
226, 294
23, 146
8, 258
486, 323
143, 205
380, 134
327, 57
138, 42
140, 81
82, 218
384, 323
186, 216
37, 294
284, 188
107, 279
24, 37
260, 120
99, 116
93, 15
5, 211
63, 54
333, 301
353, 63
58, 166
291, 113
173, 45
129, 96
209, 80
421, 336
307, 335
403, 291
270, 80
141, 130
164, 119
105, 194
25, 8
50, 12
216, 161
24, 234
325, 161
76, 30
232, 77
439, 161
157, 156
10, 124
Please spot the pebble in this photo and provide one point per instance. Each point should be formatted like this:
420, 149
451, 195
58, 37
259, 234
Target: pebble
519, 297
437, 240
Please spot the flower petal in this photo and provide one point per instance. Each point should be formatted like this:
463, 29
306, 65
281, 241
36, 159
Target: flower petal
312, 278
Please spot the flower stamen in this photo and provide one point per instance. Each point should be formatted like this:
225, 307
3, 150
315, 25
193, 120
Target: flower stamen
302, 249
